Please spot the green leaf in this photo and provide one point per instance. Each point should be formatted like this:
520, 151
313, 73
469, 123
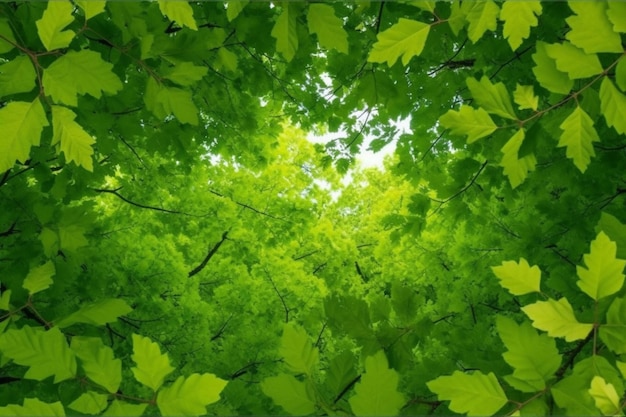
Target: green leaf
613, 333
516, 168
7, 33
71, 139
341, 372
524, 96
547, 74
377, 393
328, 27
39, 278
591, 29
79, 72
615, 230
22, 124
17, 76
97, 314
91, 7
427, 5
475, 123
45, 353
603, 275
152, 366
475, 394
606, 398
494, 98
55, 18
578, 136
90, 403
190, 396
297, 350
613, 106
227, 59
98, 362
234, 7
405, 39
284, 31
163, 101
574, 61
519, 17
405, 302
533, 357
185, 73
122, 409
519, 278
557, 318
620, 74
482, 16
617, 15
289, 393
572, 394
71, 237
178, 11
457, 17
33, 407
5, 297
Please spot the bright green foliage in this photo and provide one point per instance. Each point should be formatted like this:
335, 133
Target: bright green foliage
482, 16
620, 74
97, 314
91, 8
519, 17
519, 278
189, 396
516, 167
605, 396
617, 15
5, 297
33, 407
23, 123
178, 11
234, 7
557, 318
45, 353
328, 27
70, 138
494, 98
285, 31
98, 362
39, 278
79, 73
534, 358
297, 350
163, 101
473, 394
548, 75
405, 39
289, 393
56, 17
591, 29
574, 61
524, 96
185, 73
615, 230
603, 275
613, 105
90, 403
152, 366
377, 392
475, 123
17, 76
578, 137
613, 333
124, 409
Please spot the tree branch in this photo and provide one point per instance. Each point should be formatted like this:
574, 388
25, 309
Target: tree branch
208, 257
247, 206
10, 231
347, 388
121, 197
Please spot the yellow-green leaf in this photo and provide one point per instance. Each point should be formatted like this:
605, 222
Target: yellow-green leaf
475, 123
482, 16
574, 61
474, 394
17, 76
405, 39
519, 17
152, 366
516, 168
606, 398
578, 136
5, 30
178, 11
33, 407
524, 96
98, 362
289, 393
90, 403
234, 7
297, 350
163, 101
603, 275
39, 278
328, 27
122, 409
612, 105
548, 76
591, 28
617, 15
55, 18
185, 73
91, 7
519, 278
98, 313
285, 31
190, 396
22, 124
5, 298
557, 318
494, 98
71, 139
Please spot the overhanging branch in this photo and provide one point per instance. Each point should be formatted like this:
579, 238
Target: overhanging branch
209, 255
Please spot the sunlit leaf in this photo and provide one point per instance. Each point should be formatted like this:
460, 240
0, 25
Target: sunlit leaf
189, 396
405, 39
152, 366
474, 394
519, 278
557, 318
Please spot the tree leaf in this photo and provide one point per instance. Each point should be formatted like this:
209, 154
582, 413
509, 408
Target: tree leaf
97, 314
178, 11
475, 394
377, 393
297, 350
578, 137
7, 33
475, 123
39, 278
185, 73
340, 372
234, 7
617, 15
516, 168
22, 124
152, 366
494, 98
405, 39
72, 140
91, 7
289, 393
328, 27
519, 278
606, 398
519, 17
163, 101
122, 409
284, 31
574, 61
90, 403
591, 29
547, 74
533, 357
557, 318
603, 275
79, 72
5, 297
190, 396
615, 230
17, 76
98, 362
482, 16
45, 353
524, 96
613, 333
613, 105
33, 407
55, 18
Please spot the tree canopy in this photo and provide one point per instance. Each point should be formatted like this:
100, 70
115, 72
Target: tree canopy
171, 244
